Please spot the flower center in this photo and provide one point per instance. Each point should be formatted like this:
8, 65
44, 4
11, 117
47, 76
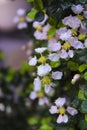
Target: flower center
39, 28
61, 110
46, 80
42, 59
74, 33
66, 46
49, 37
22, 19
40, 94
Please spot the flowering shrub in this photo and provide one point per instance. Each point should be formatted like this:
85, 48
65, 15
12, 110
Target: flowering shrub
59, 93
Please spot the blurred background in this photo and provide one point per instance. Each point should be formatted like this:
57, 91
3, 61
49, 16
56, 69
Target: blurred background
11, 38
15, 77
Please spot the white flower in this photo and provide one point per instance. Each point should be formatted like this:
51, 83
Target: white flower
49, 88
37, 84
62, 118
60, 109
72, 21
60, 101
63, 54
72, 111
43, 101
46, 28
57, 75
53, 109
21, 12
54, 46
85, 43
63, 33
77, 9
53, 57
43, 70
33, 95
40, 35
21, 19
71, 53
33, 61
75, 78
2, 107
85, 14
40, 50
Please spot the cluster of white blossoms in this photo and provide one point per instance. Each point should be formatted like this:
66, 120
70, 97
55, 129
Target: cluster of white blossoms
71, 37
62, 111
21, 20
43, 84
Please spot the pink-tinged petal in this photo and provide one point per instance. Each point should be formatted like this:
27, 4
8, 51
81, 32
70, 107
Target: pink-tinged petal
72, 111
53, 109
33, 95
65, 118
60, 101
60, 119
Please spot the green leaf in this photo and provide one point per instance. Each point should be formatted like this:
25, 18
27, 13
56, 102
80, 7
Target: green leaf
55, 64
32, 14
38, 4
45, 127
39, 16
82, 67
85, 76
32, 121
83, 1
86, 117
81, 94
85, 93
83, 125
73, 65
52, 31
83, 107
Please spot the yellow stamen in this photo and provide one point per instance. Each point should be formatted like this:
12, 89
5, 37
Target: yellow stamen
42, 59
40, 94
46, 80
80, 17
22, 19
66, 46
61, 110
74, 33
49, 37
39, 28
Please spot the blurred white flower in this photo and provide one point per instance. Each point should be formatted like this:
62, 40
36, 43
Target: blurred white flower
85, 43
49, 88
75, 78
33, 61
72, 21
43, 69
63, 33
85, 14
40, 50
53, 57
21, 19
40, 35
37, 84
52, 46
77, 9
57, 75
2, 107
